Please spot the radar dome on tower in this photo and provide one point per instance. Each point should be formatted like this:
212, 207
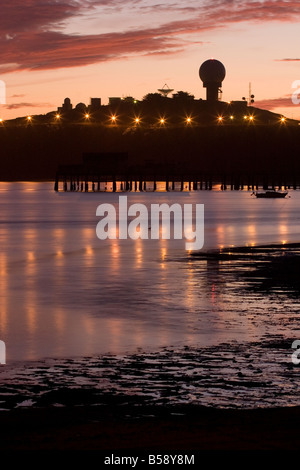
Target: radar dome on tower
212, 73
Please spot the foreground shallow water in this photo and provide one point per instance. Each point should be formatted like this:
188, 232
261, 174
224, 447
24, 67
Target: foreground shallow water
232, 374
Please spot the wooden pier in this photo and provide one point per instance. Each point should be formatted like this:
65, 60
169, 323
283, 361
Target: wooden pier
101, 172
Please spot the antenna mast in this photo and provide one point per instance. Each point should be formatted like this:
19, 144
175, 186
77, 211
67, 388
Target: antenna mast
251, 97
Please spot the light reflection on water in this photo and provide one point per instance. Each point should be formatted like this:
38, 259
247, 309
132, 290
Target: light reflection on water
65, 293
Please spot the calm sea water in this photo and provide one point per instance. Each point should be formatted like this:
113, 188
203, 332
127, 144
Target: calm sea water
65, 293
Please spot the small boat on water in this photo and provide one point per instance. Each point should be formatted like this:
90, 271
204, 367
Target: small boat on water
270, 193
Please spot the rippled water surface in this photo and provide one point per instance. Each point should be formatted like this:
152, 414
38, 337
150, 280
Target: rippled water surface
66, 294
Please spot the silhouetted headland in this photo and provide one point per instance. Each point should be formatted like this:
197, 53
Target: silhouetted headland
170, 139
246, 152
161, 138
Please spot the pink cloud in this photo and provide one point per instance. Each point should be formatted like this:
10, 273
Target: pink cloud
53, 49
33, 38
17, 96
287, 60
284, 102
32, 15
28, 105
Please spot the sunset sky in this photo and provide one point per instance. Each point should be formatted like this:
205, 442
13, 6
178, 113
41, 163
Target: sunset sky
51, 49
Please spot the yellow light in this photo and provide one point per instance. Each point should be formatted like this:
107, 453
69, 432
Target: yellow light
162, 121
57, 116
113, 118
231, 117
137, 120
30, 256
115, 250
251, 118
1, 120
87, 116
29, 118
188, 120
245, 117
282, 119
89, 250
220, 118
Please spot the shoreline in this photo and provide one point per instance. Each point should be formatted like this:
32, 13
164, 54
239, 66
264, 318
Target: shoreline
225, 376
